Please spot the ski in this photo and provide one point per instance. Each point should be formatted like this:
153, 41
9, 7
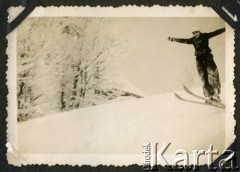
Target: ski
221, 105
196, 102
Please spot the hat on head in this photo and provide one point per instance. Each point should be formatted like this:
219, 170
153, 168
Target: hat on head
195, 29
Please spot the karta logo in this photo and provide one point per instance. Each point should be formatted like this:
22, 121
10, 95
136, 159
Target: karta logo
154, 157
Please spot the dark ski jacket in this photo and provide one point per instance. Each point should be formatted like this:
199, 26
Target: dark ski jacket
201, 43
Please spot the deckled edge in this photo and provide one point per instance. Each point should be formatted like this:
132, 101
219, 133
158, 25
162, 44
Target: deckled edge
134, 165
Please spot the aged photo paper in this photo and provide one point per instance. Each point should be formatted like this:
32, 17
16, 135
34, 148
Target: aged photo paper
91, 86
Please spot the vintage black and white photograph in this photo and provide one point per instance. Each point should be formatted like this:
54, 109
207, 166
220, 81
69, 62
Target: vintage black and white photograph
107, 85
83, 62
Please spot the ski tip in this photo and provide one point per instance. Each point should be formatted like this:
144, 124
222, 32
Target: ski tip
177, 95
185, 87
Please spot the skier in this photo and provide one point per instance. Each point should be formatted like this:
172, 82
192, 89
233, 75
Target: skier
206, 66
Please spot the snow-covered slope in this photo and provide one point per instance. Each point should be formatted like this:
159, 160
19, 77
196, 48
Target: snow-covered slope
123, 127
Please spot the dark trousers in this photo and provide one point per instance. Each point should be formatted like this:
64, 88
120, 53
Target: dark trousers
209, 75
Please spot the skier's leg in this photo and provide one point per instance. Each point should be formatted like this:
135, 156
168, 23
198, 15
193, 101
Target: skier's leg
213, 77
202, 71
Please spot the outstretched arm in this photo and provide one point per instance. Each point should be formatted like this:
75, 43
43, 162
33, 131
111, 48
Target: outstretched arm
215, 33
180, 40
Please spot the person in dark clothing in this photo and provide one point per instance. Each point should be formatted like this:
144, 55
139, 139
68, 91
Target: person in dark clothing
206, 66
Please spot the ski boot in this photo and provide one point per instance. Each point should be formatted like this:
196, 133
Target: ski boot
216, 99
209, 101
213, 98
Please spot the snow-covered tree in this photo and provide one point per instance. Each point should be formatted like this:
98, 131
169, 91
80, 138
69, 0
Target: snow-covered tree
61, 66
